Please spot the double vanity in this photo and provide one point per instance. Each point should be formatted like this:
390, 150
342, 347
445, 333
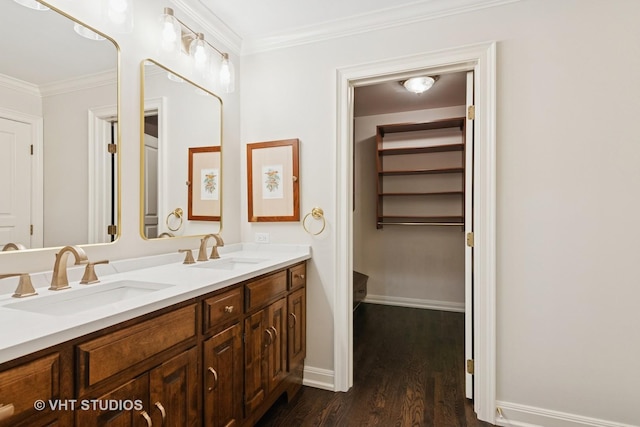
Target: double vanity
157, 341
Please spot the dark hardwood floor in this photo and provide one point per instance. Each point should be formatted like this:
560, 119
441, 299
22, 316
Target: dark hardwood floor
408, 371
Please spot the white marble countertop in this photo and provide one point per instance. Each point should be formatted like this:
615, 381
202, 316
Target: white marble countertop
25, 330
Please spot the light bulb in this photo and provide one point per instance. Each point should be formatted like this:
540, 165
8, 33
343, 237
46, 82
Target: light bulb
227, 74
198, 51
118, 6
171, 33
119, 13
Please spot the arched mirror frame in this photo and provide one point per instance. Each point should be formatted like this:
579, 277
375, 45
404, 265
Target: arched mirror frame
168, 216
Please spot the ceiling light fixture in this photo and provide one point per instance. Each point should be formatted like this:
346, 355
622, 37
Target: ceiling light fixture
32, 4
419, 84
177, 37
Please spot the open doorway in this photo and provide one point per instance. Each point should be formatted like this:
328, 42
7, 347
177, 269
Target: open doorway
481, 60
413, 204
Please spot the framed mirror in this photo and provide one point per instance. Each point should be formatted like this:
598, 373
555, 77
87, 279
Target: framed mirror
180, 156
58, 131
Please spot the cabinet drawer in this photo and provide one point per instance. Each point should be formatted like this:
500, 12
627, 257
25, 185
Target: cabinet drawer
220, 308
297, 276
25, 384
100, 358
264, 290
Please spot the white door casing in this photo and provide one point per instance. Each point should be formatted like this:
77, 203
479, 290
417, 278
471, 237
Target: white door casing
468, 229
481, 58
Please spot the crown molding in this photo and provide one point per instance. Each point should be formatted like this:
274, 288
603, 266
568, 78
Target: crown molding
19, 85
212, 25
378, 20
90, 81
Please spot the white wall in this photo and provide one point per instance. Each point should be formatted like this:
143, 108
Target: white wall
418, 265
66, 164
567, 174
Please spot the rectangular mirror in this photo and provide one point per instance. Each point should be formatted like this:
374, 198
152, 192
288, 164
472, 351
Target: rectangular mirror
181, 156
58, 131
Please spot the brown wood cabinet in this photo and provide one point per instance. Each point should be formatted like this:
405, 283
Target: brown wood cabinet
221, 359
223, 378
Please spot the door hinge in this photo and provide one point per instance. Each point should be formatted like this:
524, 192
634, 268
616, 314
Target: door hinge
471, 112
31, 229
32, 149
112, 230
112, 148
470, 367
470, 239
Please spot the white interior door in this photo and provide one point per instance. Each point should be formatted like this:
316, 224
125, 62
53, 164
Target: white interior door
15, 175
468, 228
150, 186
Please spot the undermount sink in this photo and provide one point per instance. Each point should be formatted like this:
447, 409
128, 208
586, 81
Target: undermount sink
70, 302
229, 263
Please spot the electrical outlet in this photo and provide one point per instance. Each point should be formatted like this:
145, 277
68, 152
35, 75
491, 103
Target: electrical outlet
262, 237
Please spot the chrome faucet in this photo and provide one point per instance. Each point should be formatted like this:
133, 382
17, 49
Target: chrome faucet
59, 280
25, 287
202, 253
13, 246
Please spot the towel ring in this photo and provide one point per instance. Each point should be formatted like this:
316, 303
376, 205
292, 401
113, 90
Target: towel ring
177, 212
316, 213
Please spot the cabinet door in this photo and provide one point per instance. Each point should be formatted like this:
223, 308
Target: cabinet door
174, 391
297, 336
277, 350
131, 401
223, 378
255, 346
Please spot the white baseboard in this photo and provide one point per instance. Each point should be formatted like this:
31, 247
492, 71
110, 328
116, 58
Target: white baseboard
318, 378
416, 303
516, 415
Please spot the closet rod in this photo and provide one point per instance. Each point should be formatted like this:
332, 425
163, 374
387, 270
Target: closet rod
459, 224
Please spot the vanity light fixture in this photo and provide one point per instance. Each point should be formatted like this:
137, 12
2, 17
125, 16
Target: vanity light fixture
176, 37
419, 84
32, 4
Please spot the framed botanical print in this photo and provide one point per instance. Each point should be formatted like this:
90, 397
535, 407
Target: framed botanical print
272, 179
204, 184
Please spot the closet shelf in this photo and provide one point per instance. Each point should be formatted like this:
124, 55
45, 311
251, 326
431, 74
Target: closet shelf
422, 220
454, 122
427, 193
417, 150
422, 171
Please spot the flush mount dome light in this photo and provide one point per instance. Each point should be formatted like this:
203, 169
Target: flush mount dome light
419, 84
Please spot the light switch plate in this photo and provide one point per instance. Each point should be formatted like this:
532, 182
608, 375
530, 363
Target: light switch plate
262, 237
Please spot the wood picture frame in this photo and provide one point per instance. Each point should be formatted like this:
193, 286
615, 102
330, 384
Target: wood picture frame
273, 181
203, 183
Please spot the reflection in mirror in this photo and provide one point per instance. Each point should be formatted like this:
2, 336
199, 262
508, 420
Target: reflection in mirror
58, 124
179, 118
